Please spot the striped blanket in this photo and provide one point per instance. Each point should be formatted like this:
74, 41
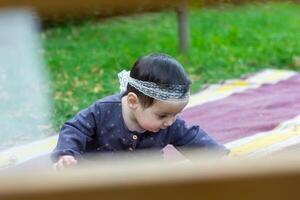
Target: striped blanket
254, 116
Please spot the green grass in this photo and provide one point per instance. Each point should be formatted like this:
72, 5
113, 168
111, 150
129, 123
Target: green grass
227, 42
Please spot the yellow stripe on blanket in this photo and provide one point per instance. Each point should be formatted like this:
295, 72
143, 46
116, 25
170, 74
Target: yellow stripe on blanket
264, 142
285, 131
219, 91
20, 154
271, 76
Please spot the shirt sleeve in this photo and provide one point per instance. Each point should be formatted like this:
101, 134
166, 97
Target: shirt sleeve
76, 133
194, 136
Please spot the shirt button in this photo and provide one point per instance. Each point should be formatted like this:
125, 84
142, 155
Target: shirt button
130, 149
134, 137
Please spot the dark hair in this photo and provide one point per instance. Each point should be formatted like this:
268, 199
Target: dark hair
161, 69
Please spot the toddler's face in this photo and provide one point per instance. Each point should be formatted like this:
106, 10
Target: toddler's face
160, 115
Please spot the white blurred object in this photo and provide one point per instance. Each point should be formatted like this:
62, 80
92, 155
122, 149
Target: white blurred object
24, 106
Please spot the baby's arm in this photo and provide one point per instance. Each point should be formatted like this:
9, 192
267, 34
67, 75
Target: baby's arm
194, 137
75, 136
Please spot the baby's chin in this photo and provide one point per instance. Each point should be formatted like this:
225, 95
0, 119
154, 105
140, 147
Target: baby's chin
153, 129
156, 130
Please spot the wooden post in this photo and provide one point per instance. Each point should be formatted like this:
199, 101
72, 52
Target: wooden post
183, 27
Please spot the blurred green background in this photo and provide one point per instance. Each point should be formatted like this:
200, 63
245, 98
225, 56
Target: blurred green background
227, 41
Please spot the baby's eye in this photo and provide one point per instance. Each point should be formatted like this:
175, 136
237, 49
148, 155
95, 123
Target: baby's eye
162, 116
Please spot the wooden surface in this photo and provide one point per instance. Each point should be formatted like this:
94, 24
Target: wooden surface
57, 10
266, 178
77, 8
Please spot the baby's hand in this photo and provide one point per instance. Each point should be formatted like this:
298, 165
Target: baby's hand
65, 162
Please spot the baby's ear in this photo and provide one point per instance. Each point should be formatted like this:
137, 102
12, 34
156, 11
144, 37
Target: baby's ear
132, 100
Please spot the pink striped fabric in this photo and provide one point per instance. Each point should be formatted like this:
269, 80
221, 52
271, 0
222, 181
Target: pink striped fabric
249, 112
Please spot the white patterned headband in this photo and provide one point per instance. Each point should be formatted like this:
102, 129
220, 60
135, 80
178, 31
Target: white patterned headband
154, 90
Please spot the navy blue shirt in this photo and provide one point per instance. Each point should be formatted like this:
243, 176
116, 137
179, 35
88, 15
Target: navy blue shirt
101, 128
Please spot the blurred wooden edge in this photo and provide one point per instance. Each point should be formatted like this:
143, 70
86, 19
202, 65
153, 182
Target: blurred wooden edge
58, 10
273, 178
53, 9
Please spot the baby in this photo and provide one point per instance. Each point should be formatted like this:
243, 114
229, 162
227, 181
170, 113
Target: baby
142, 116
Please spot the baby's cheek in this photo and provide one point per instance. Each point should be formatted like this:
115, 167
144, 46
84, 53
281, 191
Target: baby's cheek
151, 126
